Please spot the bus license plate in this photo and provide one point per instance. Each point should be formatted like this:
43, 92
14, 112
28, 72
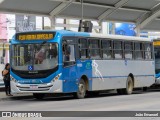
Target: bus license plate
33, 87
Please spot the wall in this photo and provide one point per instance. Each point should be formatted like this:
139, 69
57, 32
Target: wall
3, 38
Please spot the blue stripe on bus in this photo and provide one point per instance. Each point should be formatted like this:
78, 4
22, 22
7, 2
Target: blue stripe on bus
123, 76
144, 75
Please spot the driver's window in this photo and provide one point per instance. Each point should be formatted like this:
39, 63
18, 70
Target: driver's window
72, 53
68, 53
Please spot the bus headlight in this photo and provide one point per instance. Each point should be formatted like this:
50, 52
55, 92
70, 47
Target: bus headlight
13, 79
57, 77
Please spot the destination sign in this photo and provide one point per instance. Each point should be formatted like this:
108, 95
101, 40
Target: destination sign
35, 36
156, 43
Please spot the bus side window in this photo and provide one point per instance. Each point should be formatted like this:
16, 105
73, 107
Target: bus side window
107, 49
138, 51
94, 47
148, 51
118, 50
128, 50
83, 48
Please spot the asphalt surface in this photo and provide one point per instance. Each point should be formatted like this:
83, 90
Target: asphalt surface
138, 101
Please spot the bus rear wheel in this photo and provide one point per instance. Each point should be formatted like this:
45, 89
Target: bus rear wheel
129, 86
38, 96
81, 93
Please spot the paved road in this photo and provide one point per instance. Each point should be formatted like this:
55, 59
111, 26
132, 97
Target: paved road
139, 101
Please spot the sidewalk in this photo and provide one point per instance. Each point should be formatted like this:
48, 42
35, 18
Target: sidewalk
3, 95
1, 86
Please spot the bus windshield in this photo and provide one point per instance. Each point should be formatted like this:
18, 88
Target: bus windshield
157, 58
34, 57
157, 52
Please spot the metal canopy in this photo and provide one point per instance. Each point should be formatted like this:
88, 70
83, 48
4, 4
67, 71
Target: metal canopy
145, 13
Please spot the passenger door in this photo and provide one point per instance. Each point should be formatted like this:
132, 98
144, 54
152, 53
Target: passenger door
69, 64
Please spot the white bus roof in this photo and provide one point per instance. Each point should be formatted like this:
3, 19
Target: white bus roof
120, 37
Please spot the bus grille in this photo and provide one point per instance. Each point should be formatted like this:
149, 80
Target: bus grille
40, 88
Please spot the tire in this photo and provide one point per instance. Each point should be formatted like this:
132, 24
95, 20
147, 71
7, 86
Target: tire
81, 93
38, 96
129, 86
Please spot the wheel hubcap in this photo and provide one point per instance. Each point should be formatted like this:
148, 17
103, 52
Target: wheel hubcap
130, 86
81, 89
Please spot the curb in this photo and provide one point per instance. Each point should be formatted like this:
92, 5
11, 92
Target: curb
2, 89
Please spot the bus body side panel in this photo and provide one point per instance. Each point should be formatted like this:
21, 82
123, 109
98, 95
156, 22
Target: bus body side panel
84, 68
112, 74
69, 77
72, 75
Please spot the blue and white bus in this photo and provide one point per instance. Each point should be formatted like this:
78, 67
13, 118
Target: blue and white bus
75, 62
156, 44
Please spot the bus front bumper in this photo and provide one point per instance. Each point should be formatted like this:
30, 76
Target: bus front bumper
52, 87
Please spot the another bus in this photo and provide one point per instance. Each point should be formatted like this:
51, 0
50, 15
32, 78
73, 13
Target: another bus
75, 62
156, 44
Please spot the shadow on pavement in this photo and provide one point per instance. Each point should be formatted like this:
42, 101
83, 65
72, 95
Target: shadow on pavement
60, 97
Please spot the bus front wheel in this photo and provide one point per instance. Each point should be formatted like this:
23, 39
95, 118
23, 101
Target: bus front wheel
81, 93
38, 95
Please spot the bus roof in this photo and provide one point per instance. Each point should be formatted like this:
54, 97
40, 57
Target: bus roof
133, 38
85, 34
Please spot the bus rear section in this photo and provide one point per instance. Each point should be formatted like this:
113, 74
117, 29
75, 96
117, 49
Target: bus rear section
118, 62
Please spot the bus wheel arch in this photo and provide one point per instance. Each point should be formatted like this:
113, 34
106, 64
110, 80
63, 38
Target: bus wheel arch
132, 76
129, 86
82, 88
84, 77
